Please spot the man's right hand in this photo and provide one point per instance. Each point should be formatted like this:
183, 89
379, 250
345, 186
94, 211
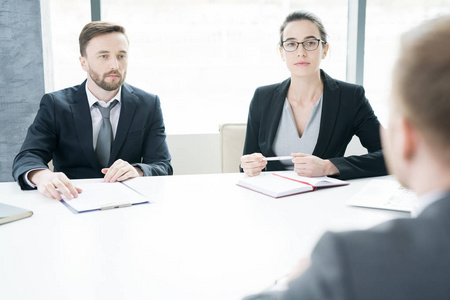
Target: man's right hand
47, 182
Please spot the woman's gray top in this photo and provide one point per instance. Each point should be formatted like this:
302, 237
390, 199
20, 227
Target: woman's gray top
287, 139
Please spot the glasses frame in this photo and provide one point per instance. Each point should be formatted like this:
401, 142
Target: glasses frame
303, 44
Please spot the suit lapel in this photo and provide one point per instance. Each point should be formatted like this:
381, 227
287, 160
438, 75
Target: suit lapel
274, 113
127, 110
83, 123
330, 107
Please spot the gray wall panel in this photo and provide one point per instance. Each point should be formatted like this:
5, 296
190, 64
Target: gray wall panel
21, 76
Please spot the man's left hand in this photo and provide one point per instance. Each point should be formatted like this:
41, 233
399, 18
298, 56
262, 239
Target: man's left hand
121, 170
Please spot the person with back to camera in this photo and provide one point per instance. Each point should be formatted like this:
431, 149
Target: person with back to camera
406, 258
310, 116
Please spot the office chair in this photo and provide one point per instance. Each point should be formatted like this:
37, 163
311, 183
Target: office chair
232, 136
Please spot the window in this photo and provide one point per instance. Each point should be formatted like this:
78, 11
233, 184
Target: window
204, 58
67, 18
386, 20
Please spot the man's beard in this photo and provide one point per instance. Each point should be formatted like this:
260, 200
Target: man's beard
103, 84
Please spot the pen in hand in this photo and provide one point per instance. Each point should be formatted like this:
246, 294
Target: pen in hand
278, 158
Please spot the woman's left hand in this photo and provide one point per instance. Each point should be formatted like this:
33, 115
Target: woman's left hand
313, 166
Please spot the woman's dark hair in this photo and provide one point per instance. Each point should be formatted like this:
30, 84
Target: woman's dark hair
303, 15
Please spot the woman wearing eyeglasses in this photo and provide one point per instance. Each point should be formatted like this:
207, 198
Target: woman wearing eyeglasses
310, 116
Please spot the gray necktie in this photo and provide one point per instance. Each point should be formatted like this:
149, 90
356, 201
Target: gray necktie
105, 135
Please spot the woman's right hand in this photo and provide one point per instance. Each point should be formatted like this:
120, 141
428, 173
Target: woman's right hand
253, 164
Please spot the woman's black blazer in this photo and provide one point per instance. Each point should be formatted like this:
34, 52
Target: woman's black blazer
345, 112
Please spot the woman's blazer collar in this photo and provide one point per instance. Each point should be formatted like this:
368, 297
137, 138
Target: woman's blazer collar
330, 111
330, 107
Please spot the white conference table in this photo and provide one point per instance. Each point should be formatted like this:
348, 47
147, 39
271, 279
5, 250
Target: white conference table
203, 237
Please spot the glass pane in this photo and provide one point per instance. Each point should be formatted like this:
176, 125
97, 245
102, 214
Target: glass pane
67, 18
386, 20
206, 58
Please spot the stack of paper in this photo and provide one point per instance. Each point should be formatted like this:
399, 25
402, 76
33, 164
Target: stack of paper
384, 194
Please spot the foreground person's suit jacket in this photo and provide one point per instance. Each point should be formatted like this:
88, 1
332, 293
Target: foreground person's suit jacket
399, 259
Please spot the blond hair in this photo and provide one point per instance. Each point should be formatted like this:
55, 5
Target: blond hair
421, 80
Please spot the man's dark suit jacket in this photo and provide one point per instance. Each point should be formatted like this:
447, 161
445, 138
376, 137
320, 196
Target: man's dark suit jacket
345, 113
399, 259
62, 131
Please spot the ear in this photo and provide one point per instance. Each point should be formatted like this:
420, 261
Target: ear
410, 139
282, 53
84, 64
325, 50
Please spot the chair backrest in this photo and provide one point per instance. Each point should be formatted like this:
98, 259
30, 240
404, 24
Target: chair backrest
50, 165
232, 137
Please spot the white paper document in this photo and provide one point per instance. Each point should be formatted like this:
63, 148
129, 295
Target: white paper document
384, 194
102, 195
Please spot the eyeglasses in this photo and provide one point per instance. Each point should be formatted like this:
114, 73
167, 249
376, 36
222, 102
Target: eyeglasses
308, 45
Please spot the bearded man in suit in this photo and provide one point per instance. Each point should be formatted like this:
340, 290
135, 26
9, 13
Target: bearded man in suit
103, 127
